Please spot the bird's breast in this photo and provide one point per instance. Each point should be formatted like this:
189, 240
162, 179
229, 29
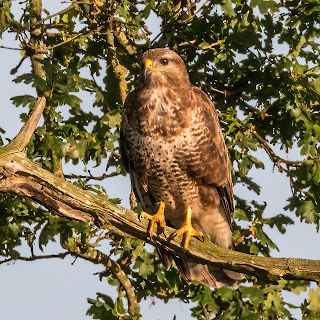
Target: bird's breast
163, 111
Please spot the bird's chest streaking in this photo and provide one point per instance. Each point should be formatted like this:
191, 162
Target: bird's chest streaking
164, 136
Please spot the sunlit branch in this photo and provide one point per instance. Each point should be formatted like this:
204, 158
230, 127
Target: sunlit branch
219, 91
26, 132
192, 44
21, 176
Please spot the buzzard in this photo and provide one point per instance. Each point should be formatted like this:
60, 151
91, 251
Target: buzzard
172, 146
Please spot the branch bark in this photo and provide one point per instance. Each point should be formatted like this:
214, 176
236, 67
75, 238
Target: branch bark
97, 257
26, 132
21, 176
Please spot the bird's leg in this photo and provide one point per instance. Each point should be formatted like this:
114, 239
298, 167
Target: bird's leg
156, 218
187, 230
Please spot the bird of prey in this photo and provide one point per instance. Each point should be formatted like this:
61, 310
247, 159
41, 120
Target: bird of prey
172, 146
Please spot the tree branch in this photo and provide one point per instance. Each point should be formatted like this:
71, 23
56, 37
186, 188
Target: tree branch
21, 176
91, 177
264, 144
273, 157
73, 5
26, 132
34, 258
192, 44
88, 34
97, 257
9, 48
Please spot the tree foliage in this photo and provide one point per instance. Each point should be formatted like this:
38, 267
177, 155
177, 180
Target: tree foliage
259, 60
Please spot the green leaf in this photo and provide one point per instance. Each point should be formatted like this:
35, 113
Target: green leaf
227, 7
23, 101
274, 301
307, 211
225, 294
280, 221
101, 310
314, 300
255, 295
244, 166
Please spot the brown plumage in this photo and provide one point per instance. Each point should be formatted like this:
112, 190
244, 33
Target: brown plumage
173, 148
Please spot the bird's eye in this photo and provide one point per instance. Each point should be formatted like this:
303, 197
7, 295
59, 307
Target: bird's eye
164, 61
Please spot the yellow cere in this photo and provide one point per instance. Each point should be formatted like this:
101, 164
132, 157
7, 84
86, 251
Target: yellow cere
148, 63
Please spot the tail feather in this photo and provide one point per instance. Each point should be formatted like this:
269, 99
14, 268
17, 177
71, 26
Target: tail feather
208, 275
212, 276
165, 257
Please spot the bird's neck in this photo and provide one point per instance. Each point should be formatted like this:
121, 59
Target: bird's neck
164, 110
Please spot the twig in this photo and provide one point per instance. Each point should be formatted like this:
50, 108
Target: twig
189, 8
88, 34
187, 43
261, 113
273, 157
97, 257
4, 47
26, 132
192, 43
16, 68
91, 177
66, 41
219, 91
74, 4
212, 45
33, 258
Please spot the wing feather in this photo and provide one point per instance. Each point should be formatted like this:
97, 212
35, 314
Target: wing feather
209, 163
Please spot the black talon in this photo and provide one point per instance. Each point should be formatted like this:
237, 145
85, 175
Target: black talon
164, 234
148, 237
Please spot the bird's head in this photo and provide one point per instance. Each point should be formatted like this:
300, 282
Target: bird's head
161, 66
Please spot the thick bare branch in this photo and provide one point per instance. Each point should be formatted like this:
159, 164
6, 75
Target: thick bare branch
26, 132
21, 176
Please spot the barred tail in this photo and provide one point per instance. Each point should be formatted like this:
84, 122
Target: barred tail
210, 275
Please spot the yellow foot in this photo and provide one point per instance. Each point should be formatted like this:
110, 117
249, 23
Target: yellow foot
157, 218
187, 230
